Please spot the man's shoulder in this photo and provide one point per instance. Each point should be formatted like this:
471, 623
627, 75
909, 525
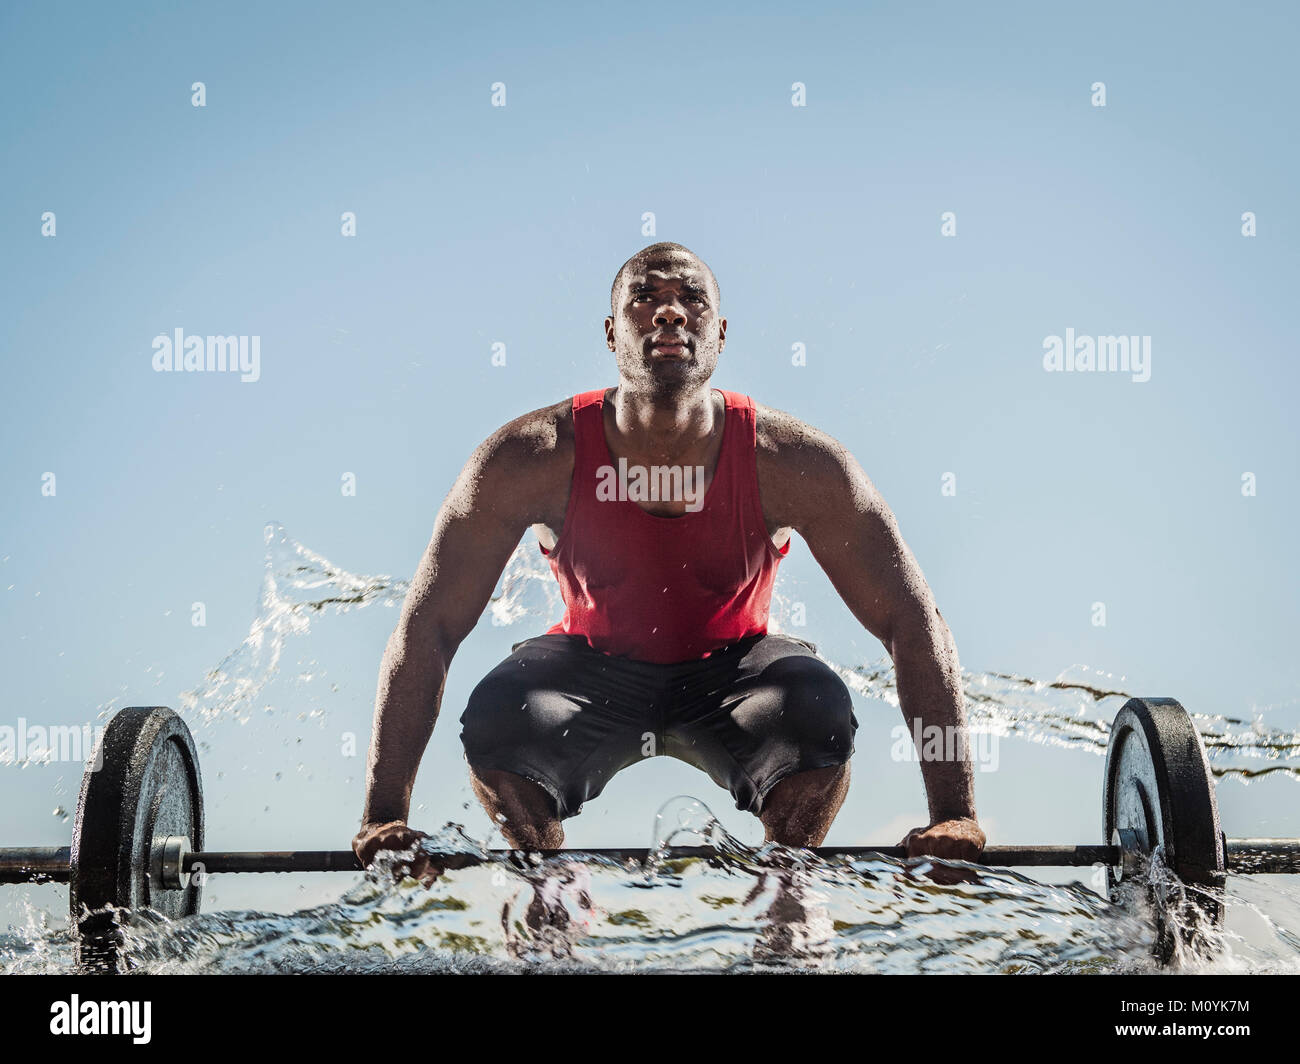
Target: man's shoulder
803, 472
523, 467
790, 446
539, 437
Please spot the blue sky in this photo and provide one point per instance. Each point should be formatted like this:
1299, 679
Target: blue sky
479, 225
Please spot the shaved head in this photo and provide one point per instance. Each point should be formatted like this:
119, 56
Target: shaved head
653, 255
665, 326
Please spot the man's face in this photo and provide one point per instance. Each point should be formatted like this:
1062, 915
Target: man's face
666, 332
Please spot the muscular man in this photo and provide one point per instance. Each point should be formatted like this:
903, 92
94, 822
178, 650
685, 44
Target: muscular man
664, 507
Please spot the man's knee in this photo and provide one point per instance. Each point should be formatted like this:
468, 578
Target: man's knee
799, 810
511, 789
493, 716
525, 810
818, 708
811, 785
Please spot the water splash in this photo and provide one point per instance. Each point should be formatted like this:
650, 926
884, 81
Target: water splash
742, 909
297, 584
1072, 711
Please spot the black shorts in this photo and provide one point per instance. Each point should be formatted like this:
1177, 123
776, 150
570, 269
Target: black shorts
568, 717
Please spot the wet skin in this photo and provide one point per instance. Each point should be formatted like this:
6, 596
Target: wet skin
664, 412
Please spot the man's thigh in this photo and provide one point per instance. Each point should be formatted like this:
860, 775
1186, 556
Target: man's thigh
562, 715
767, 709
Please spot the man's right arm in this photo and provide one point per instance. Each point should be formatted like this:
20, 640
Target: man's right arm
499, 493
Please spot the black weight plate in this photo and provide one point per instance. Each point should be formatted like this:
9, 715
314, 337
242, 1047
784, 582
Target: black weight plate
148, 786
1158, 784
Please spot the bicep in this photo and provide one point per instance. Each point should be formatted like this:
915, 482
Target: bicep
855, 538
477, 528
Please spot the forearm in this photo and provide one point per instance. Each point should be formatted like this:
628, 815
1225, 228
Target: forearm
411, 682
929, 691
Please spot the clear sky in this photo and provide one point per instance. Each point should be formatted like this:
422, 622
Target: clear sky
479, 225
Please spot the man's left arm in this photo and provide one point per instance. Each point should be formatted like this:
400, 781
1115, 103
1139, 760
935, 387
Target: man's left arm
810, 482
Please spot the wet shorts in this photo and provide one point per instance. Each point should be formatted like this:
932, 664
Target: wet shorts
568, 717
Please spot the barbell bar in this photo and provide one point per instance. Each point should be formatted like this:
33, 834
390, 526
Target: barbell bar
52, 863
174, 861
138, 836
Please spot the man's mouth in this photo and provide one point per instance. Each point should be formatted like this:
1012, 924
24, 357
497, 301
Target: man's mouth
670, 346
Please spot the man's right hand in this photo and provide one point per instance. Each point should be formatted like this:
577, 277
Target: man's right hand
394, 835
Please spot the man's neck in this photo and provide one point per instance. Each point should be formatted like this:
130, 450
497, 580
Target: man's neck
665, 427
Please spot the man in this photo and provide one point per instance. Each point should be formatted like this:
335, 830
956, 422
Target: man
664, 507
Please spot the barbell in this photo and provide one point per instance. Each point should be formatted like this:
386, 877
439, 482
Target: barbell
137, 842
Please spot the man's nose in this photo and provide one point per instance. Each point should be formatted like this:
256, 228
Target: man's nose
670, 314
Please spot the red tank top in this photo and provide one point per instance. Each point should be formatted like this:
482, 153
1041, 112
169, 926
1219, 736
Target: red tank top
663, 589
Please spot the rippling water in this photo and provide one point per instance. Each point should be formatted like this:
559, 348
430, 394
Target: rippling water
743, 910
